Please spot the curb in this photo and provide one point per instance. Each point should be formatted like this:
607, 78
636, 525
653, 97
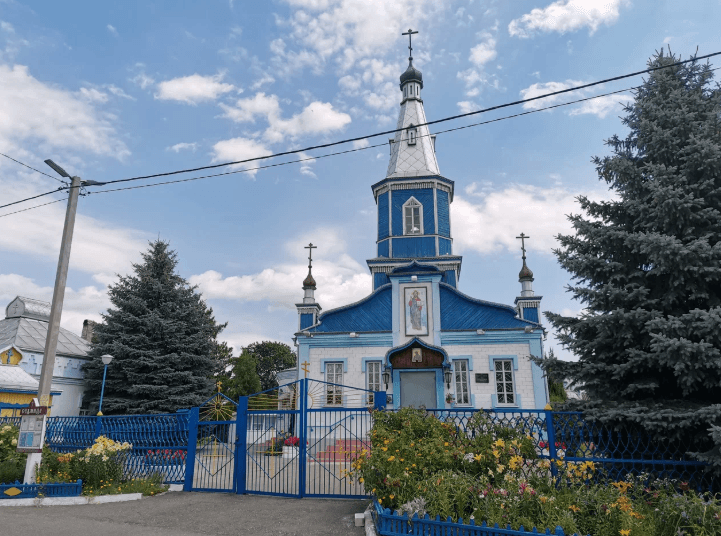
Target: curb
70, 501
370, 526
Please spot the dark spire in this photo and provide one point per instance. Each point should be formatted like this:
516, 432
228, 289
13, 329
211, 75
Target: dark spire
309, 282
525, 274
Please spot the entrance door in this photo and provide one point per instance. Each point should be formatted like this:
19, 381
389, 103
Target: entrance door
418, 389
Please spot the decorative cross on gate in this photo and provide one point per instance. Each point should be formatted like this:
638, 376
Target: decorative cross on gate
410, 33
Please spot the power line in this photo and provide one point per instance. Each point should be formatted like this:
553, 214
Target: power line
35, 197
30, 167
360, 148
31, 208
451, 118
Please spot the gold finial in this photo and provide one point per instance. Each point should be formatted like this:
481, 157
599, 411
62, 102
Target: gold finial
304, 365
218, 384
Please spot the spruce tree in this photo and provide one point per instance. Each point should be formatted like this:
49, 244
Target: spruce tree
163, 340
647, 267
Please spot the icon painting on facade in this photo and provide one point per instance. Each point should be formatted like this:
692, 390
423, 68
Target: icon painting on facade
416, 311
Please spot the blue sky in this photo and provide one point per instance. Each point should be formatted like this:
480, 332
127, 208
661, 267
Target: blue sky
115, 90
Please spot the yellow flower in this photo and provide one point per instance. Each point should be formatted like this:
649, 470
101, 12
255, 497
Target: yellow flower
391, 458
478, 457
360, 479
384, 449
391, 496
500, 443
624, 532
574, 508
445, 444
386, 442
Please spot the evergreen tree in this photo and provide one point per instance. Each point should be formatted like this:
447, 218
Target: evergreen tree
556, 391
647, 267
242, 379
271, 358
163, 340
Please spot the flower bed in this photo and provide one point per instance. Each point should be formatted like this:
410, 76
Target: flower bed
419, 465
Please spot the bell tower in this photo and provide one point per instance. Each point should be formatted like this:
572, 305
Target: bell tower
414, 199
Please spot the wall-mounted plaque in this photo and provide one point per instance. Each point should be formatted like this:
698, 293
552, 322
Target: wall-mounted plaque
481, 378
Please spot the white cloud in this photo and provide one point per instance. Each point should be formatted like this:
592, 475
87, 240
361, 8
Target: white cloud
39, 113
246, 110
305, 165
350, 84
340, 279
360, 144
494, 222
118, 92
484, 51
193, 89
240, 149
316, 118
600, 106
567, 16
466, 107
538, 89
264, 79
182, 147
93, 95
143, 80
6, 27
112, 30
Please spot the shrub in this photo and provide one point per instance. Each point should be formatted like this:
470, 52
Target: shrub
12, 462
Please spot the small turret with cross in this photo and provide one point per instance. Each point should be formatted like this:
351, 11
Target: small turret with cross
309, 309
528, 303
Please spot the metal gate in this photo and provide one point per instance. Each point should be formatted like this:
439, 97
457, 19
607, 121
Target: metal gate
296, 440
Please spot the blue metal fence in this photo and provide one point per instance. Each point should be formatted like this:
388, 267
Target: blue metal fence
28, 491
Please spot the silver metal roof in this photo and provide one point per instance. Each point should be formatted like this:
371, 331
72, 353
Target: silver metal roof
27, 307
29, 334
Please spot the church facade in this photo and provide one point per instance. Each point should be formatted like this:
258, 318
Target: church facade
435, 346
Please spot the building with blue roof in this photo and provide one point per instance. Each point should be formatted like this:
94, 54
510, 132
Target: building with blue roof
417, 336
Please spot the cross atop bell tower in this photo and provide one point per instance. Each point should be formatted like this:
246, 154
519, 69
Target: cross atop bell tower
410, 33
309, 309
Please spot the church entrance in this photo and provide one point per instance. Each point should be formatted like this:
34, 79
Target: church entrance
418, 389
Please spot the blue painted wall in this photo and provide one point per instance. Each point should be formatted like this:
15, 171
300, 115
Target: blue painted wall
444, 246
530, 313
382, 216
417, 246
449, 277
444, 219
306, 320
425, 198
383, 248
379, 280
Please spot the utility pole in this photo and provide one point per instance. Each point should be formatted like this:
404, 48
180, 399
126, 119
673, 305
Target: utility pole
56, 309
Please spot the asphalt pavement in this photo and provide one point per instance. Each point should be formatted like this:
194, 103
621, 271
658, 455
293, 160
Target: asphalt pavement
189, 514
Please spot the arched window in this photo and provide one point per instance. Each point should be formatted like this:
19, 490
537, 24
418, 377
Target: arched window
412, 217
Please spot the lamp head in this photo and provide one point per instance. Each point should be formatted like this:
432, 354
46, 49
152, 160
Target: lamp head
448, 377
107, 358
60, 171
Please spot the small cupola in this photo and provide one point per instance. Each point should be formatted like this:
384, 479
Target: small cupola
412, 78
309, 309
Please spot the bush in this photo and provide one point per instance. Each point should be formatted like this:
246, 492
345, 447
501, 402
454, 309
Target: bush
12, 462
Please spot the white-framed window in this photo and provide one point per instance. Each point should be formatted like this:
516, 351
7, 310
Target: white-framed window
334, 393
412, 220
460, 373
373, 379
412, 135
505, 386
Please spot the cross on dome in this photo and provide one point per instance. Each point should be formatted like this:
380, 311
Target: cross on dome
410, 33
525, 274
309, 281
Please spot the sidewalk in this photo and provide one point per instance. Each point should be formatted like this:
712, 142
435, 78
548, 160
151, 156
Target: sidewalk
190, 514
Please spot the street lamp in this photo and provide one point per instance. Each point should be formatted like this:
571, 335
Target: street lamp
107, 358
386, 376
448, 377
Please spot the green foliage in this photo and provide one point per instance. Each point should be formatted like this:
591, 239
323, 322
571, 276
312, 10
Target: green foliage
420, 465
163, 338
647, 266
555, 378
12, 462
242, 379
271, 358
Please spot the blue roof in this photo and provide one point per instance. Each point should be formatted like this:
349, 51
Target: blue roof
370, 314
414, 267
461, 312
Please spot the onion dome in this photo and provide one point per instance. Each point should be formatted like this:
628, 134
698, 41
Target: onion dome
525, 274
411, 75
309, 282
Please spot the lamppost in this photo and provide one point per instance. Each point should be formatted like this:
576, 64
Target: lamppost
107, 358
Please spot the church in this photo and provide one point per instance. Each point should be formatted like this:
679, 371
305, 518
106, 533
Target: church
416, 336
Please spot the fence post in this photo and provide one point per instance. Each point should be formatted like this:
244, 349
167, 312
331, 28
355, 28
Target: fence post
379, 400
303, 436
193, 417
241, 445
551, 442
98, 427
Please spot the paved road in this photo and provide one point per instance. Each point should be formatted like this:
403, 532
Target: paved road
189, 514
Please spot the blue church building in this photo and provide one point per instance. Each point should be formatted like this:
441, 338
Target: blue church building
433, 345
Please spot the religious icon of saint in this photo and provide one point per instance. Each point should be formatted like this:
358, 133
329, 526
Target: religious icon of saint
416, 311
416, 307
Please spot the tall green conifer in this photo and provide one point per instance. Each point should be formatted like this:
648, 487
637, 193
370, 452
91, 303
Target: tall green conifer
647, 266
163, 340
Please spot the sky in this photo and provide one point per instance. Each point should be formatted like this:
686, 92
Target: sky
123, 89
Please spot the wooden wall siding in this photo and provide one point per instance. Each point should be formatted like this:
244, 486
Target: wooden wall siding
383, 216
371, 314
404, 359
444, 246
414, 247
306, 320
380, 279
425, 198
449, 277
530, 313
463, 313
383, 248
444, 219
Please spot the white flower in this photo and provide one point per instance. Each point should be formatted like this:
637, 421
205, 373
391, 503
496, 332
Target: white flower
14, 442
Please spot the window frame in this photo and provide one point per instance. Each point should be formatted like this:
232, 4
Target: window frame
459, 382
371, 365
412, 203
412, 134
499, 367
334, 393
